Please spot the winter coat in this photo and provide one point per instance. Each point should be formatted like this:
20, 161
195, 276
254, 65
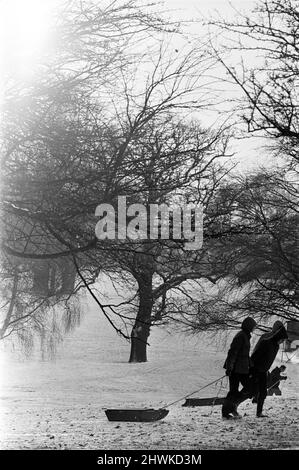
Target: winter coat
237, 360
267, 348
277, 326
238, 355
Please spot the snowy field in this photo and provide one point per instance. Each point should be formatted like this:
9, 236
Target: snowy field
60, 404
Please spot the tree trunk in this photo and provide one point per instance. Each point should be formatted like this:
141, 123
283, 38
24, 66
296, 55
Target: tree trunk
141, 328
6, 322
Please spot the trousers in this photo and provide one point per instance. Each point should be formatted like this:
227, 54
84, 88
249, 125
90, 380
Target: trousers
259, 389
234, 396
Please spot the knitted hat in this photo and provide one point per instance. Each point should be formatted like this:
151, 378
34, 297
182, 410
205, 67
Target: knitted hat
248, 324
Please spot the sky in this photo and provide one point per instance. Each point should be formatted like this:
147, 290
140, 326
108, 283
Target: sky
249, 153
199, 9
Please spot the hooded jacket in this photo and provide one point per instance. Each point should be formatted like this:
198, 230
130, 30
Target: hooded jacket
237, 360
267, 348
275, 328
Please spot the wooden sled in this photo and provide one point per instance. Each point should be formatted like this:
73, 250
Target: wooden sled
136, 415
213, 401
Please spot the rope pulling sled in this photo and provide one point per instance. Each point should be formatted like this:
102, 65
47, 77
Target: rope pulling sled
151, 414
148, 414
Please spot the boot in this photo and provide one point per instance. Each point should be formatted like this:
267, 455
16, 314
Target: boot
259, 410
228, 408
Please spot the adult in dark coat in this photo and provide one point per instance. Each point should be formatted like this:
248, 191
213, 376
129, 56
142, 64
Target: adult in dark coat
237, 368
262, 359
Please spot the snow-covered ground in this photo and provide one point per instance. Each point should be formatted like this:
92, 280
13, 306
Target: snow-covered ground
60, 404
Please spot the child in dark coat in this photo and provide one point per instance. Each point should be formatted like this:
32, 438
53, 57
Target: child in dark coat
262, 359
237, 368
273, 380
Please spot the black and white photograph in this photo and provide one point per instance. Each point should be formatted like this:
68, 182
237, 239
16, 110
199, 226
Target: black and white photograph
149, 301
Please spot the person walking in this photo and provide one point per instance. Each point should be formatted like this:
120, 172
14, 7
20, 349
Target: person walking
273, 380
237, 368
262, 359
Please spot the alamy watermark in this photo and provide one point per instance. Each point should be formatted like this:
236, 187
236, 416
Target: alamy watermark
138, 222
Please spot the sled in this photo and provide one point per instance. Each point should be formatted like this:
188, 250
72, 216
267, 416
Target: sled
213, 401
136, 415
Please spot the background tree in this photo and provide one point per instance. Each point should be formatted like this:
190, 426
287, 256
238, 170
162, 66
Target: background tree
171, 164
264, 255
269, 101
47, 118
85, 133
262, 276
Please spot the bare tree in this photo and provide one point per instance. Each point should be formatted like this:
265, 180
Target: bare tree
259, 55
87, 133
269, 101
261, 252
171, 164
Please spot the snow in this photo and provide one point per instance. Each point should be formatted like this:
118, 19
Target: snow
60, 404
